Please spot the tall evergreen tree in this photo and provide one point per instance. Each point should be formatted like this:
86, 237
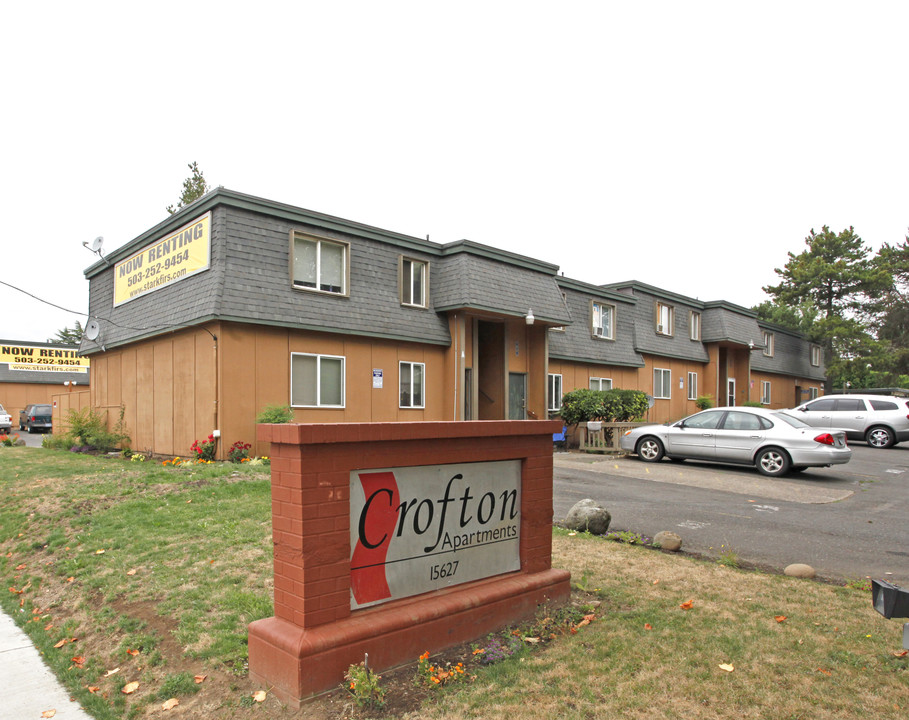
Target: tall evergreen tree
194, 187
68, 336
836, 275
890, 313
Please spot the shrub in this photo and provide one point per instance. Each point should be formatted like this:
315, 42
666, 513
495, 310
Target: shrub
206, 449
704, 402
238, 452
363, 684
276, 414
88, 428
607, 405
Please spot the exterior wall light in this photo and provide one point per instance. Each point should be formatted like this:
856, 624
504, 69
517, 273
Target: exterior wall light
529, 318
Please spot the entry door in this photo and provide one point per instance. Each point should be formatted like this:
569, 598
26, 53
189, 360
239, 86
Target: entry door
730, 395
517, 396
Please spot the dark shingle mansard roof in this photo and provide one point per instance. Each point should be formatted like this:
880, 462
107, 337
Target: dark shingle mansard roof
249, 279
576, 341
724, 322
482, 278
679, 345
791, 355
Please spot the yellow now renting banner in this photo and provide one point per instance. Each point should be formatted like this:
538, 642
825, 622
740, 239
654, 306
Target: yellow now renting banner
177, 257
30, 357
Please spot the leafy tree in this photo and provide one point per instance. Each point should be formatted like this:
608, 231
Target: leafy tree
798, 318
835, 276
890, 313
194, 187
69, 336
607, 405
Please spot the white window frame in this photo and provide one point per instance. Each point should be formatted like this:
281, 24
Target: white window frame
409, 268
318, 388
692, 386
664, 319
815, 355
553, 398
768, 343
665, 384
597, 327
765, 392
599, 382
422, 389
319, 242
813, 393
694, 325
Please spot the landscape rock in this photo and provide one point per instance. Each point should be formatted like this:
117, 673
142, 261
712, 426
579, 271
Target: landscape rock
800, 570
588, 516
668, 540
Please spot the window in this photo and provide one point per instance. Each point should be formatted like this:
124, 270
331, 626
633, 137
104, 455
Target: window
692, 386
664, 319
316, 380
600, 383
603, 320
745, 421
812, 393
555, 393
816, 355
883, 405
705, 420
694, 325
662, 383
411, 380
768, 344
319, 264
414, 274
765, 392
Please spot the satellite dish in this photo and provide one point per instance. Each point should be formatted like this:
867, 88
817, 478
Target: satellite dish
92, 328
649, 399
95, 245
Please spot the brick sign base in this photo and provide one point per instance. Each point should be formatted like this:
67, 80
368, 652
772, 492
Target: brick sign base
314, 636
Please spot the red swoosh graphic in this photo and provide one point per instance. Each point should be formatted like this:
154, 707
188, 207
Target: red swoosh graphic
367, 575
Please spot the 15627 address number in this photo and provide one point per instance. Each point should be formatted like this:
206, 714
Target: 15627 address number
443, 570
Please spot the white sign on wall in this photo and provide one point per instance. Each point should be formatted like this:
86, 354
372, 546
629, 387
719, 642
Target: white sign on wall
417, 529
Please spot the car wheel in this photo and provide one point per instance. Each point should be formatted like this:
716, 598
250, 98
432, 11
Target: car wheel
650, 450
28, 429
772, 462
879, 437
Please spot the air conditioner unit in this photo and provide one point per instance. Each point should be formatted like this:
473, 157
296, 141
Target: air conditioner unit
659, 328
598, 331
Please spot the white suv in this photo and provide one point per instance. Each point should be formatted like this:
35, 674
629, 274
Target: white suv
880, 420
6, 424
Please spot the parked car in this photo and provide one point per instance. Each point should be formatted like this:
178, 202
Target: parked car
879, 420
6, 422
36, 417
771, 440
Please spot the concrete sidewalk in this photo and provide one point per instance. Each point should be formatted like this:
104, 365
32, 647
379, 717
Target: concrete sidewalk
29, 687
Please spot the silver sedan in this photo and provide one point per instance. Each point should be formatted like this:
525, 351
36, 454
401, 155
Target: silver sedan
770, 440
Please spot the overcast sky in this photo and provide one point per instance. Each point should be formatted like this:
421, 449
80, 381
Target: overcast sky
688, 145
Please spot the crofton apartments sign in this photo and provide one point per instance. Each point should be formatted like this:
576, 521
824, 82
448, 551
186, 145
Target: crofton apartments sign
416, 529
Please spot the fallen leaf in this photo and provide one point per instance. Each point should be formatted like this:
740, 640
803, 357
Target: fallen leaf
133, 652
61, 643
727, 668
21, 567
130, 688
200, 678
92, 688
130, 572
656, 582
533, 640
648, 626
48, 713
99, 552
170, 704
900, 653
70, 579
260, 696
779, 618
79, 660
111, 672
687, 605
826, 672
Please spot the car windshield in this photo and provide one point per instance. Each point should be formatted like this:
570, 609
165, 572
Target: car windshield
41, 409
794, 421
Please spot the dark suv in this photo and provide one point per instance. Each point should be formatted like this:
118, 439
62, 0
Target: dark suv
35, 418
879, 420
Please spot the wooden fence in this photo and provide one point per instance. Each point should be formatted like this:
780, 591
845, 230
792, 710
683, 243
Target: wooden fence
606, 438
